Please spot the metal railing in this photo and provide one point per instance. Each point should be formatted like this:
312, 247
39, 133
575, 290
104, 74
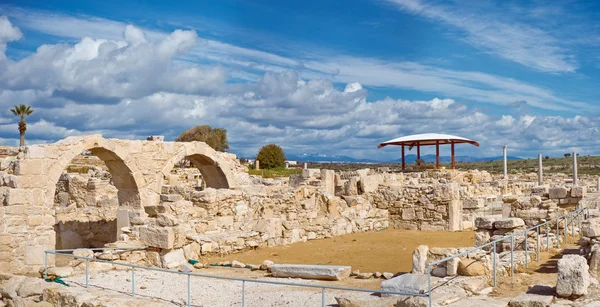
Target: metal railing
570, 216
190, 274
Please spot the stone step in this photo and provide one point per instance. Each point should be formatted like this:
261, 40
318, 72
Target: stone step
307, 271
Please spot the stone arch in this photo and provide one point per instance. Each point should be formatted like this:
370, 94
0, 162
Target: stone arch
215, 171
124, 174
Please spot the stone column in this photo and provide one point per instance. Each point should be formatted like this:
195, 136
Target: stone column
540, 171
305, 166
574, 169
256, 164
328, 180
505, 164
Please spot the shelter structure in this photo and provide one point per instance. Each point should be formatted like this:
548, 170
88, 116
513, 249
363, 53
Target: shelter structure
428, 139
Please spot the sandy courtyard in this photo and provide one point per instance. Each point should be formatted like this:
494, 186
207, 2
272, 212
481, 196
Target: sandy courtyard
384, 251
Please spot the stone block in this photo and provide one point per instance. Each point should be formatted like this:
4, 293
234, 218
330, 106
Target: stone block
557, 192
351, 187
406, 283
306, 271
482, 236
534, 213
579, 191
29, 167
591, 227
158, 236
172, 258
419, 258
310, 172
454, 215
531, 300
471, 267
171, 198
485, 222
445, 192
34, 255
328, 180
473, 203
509, 223
368, 183
573, 276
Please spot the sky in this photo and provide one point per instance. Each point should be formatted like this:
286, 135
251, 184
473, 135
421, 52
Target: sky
328, 77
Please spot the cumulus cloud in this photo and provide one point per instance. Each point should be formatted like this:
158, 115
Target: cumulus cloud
8, 33
135, 86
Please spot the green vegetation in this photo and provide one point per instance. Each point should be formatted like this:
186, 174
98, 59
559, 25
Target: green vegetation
22, 111
215, 138
274, 172
271, 156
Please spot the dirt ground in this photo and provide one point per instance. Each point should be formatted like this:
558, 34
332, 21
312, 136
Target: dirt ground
542, 274
384, 251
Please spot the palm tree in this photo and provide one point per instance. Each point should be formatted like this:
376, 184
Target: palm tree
22, 110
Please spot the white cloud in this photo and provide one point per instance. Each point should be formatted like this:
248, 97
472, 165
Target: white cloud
139, 89
8, 33
508, 39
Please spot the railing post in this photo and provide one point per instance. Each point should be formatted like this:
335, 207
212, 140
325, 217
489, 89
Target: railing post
429, 283
132, 281
548, 237
512, 248
557, 233
572, 225
526, 250
322, 297
566, 229
537, 240
243, 290
494, 264
189, 293
86, 272
45, 265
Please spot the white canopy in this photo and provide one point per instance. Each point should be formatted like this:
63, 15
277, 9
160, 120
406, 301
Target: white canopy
428, 139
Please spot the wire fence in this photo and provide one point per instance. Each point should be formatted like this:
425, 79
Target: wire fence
569, 219
63, 253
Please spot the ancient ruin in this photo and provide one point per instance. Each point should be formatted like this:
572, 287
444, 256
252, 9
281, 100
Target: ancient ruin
91, 192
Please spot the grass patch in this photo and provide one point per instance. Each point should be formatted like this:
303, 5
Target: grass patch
275, 172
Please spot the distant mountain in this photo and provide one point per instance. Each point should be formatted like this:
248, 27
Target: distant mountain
448, 159
315, 157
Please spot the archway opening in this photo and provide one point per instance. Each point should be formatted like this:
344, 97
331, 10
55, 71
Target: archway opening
89, 192
211, 175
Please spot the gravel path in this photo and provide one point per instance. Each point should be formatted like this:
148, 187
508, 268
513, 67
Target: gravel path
214, 292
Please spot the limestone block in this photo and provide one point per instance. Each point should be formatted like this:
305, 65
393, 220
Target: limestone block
540, 191
591, 227
573, 276
482, 236
328, 181
595, 261
307, 271
557, 192
165, 219
509, 223
191, 251
454, 215
485, 222
408, 214
445, 192
406, 283
419, 259
170, 197
535, 200
351, 187
579, 191
533, 213
452, 266
172, 258
310, 172
369, 183
62, 271
473, 203
34, 255
29, 167
471, 267
531, 300
158, 236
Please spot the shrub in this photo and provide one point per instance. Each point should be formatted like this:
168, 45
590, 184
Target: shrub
215, 138
271, 156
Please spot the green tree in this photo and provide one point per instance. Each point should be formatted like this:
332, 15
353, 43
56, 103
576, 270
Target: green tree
215, 138
271, 156
22, 111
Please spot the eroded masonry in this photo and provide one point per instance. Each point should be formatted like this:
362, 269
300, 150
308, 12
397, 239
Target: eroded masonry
128, 193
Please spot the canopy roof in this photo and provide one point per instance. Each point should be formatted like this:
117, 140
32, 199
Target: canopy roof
428, 139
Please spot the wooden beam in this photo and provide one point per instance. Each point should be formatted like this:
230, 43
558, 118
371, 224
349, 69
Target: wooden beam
418, 152
437, 154
453, 163
403, 162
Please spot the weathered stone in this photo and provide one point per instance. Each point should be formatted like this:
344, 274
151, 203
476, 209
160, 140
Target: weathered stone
485, 222
531, 300
63, 271
186, 268
471, 267
361, 302
579, 191
452, 266
170, 197
482, 236
172, 258
364, 275
388, 275
509, 223
557, 192
320, 272
573, 276
266, 265
406, 283
473, 203
158, 237
419, 258
237, 264
591, 227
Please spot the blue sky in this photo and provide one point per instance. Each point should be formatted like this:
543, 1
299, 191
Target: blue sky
314, 76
